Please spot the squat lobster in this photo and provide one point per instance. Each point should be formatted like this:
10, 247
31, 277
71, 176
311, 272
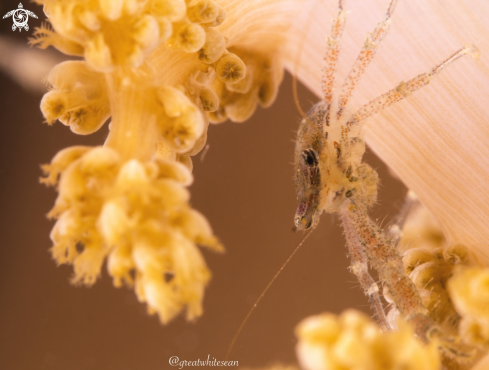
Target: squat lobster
330, 177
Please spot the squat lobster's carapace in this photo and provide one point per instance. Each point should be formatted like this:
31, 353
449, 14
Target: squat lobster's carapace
330, 177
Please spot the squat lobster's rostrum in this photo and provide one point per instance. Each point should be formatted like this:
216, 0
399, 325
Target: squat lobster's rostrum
331, 177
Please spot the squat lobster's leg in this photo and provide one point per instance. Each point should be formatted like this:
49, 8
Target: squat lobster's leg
394, 231
364, 58
331, 55
405, 89
384, 257
359, 267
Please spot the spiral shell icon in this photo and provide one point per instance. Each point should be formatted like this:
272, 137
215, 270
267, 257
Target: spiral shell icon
20, 17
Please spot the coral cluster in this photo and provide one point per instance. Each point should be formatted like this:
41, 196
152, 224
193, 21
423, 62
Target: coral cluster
154, 67
260, 86
430, 271
444, 276
136, 214
353, 341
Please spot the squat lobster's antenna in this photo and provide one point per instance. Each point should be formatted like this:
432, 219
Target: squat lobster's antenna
307, 233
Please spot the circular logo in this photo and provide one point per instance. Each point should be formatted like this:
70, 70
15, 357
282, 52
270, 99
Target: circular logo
20, 17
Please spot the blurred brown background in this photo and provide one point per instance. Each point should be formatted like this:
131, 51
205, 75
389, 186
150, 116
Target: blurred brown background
243, 185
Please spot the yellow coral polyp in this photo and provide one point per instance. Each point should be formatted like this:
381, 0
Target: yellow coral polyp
146, 32
188, 37
220, 17
184, 124
165, 28
208, 98
353, 341
213, 47
80, 101
238, 98
182, 132
174, 10
457, 254
98, 54
202, 11
111, 10
53, 106
230, 68
469, 291
44, 37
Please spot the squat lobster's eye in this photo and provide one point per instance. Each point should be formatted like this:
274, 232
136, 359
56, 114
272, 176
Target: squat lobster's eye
310, 157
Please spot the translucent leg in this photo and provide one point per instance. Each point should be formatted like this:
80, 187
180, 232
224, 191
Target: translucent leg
332, 53
359, 266
383, 256
364, 58
404, 89
395, 229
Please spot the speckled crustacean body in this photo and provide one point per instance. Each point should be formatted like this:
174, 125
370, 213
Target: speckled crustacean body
329, 168
330, 177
